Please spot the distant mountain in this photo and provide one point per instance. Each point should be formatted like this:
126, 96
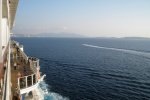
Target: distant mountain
59, 35
137, 38
74, 35
129, 38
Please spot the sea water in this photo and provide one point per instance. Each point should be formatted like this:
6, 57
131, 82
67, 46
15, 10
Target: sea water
92, 68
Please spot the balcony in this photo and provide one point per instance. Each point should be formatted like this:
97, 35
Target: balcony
25, 74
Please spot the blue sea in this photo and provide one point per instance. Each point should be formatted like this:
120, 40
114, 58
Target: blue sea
92, 68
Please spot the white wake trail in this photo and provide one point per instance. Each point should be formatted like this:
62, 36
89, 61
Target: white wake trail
45, 94
121, 50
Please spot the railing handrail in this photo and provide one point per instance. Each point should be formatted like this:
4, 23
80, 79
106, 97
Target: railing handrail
27, 75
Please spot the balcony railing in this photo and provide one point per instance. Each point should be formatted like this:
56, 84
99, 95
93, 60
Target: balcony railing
27, 81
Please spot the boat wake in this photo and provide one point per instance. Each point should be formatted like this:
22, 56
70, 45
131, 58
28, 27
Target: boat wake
145, 54
45, 94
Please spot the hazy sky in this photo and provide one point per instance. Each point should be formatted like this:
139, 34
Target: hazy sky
110, 18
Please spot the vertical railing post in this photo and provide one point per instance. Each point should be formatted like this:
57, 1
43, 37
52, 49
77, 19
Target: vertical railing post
26, 81
32, 79
36, 77
37, 63
19, 83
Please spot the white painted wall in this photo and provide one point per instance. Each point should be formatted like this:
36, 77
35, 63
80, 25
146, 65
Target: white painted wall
1, 31
8, 33
4, 32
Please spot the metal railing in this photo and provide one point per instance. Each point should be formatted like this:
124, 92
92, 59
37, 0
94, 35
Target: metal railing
7, 78
27, 81
34, 63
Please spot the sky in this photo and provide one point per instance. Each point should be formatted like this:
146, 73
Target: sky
93, 18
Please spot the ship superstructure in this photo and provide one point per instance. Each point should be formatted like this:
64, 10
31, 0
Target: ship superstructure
19, 73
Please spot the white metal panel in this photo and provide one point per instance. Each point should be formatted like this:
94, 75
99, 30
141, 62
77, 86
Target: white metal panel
12, 11
8, 87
